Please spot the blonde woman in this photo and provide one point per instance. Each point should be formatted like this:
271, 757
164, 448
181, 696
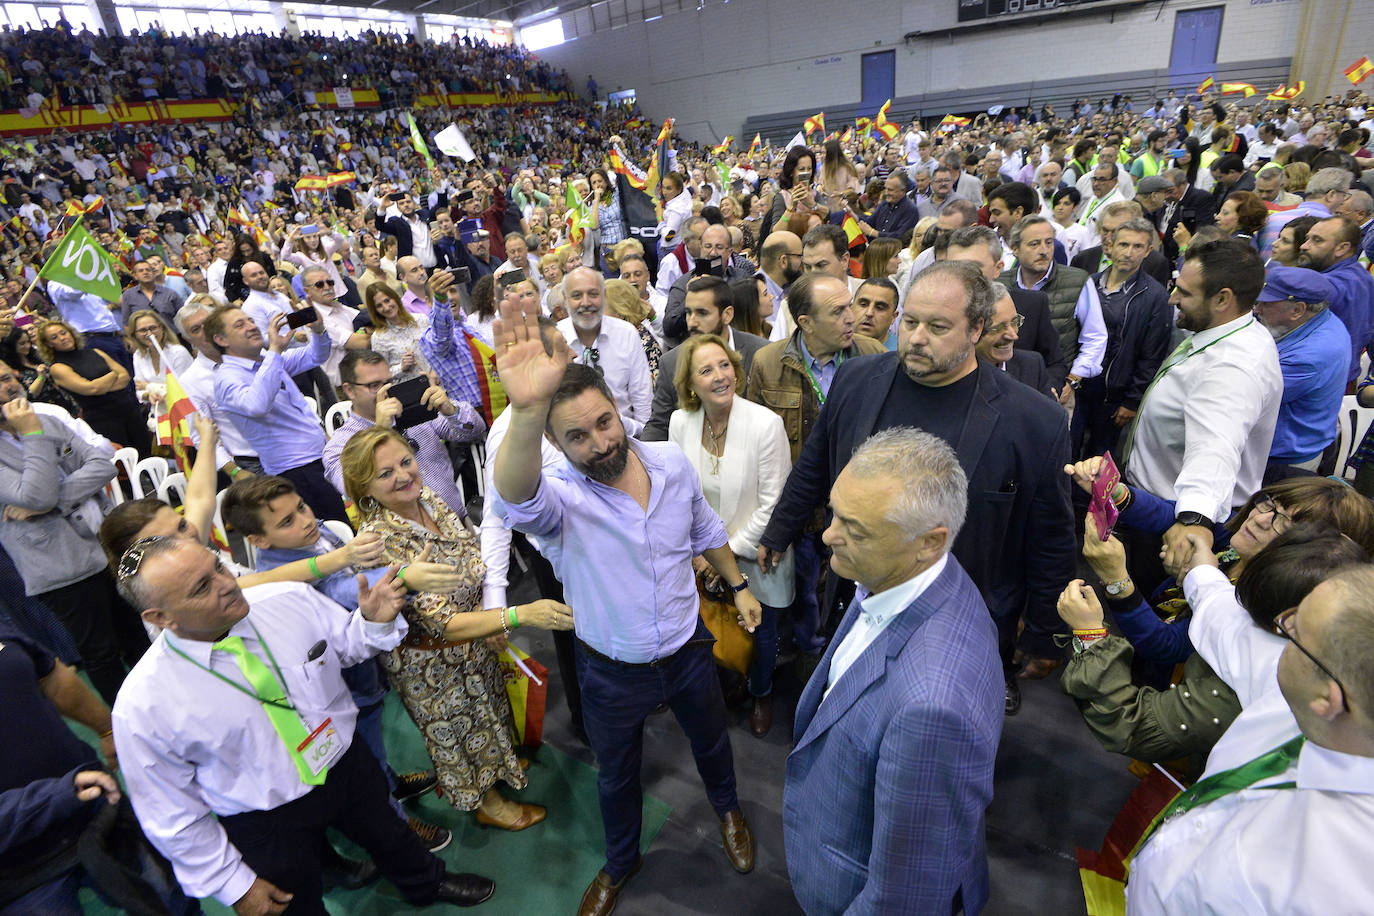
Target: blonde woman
623, 302
446, 671
155, 349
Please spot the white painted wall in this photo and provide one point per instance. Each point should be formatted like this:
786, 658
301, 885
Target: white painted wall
714, 67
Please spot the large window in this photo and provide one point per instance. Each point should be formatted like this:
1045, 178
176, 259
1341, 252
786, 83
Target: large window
543, 35
35, 16
189, 15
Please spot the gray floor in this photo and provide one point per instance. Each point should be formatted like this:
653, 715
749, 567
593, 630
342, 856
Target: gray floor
1055, 789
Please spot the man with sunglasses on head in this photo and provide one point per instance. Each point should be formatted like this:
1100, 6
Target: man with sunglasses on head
236, 735
1282, 818
366, 381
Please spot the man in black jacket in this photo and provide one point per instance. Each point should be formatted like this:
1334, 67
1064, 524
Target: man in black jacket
409, 225
1185, 206
715, 246
980, 245
1139, 323
1096, 259
1018, 541
997, 346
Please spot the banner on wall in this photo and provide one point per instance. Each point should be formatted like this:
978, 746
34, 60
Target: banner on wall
343, 96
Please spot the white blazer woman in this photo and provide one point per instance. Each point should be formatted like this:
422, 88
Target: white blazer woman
746, 481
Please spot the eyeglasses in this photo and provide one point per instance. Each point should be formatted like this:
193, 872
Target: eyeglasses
592, 357
1096, 178
1014, 322
1280, 521
1283, 626
373, 387
133, 557
322, 284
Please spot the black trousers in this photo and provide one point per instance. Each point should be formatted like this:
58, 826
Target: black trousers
284, 845
106, 632
319, 494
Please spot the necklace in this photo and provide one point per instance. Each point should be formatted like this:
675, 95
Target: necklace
716, 449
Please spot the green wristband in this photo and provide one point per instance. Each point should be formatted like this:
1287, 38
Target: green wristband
401, 575
514, 619
36, 432
314, 570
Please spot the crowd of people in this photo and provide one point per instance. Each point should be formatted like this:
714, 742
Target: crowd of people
927, 416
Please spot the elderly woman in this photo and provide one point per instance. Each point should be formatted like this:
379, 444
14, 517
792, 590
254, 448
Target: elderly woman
98, 384
396, 332
446, 670
623, 302
740, 451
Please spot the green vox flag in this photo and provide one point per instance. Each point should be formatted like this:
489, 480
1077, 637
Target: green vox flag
82, 264
417, 139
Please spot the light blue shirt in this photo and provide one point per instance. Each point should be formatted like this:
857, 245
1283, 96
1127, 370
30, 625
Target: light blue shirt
876, 612
1092, 327
269, 409
627, 572
823, 374
86, 312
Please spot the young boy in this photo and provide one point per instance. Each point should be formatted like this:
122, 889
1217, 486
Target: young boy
271, 515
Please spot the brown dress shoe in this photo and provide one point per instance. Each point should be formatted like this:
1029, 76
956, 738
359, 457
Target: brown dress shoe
602, 893
1038, 668
761, 716
738, 840
529, 816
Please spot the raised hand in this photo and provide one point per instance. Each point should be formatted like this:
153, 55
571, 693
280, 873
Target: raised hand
381, 603
529, 374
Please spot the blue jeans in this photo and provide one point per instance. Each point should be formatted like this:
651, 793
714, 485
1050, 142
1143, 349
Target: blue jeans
806, 609
616, 699
765, 653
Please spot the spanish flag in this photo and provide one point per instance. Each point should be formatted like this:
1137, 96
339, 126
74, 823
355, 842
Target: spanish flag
76, 208
1286, 93
814, 123
1357, 71
1205, 85
882, 112
847, 135
173, 427
852, 231
488, 380
334, 179
312, 183
754, 147
723, 146
620, 168
887, 130
1233, 88
862, 125
949, 122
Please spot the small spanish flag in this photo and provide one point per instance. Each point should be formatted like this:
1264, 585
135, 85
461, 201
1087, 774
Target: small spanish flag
863, 124
173, 430
1357, 71
754, 147
949, 122
76, 208
1286, 93
887, 130
882, 112
620, 168
814, 123
723, 146
852, 231
1233, 88
1205, 85
312, 183
334, 179
848, 135
488, 379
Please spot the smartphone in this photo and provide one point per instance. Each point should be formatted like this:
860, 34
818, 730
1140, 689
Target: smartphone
461, 274
410, 393
1176, 153
512, 277
309, 230
395, 196
301, 317
713, 267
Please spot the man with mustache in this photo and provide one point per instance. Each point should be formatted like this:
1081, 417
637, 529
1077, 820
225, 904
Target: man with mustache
620, 521
609, 345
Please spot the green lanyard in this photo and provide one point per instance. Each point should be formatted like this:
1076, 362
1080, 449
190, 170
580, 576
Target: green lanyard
815, 383
235, 684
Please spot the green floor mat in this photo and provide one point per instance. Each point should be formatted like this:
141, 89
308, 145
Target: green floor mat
543, 869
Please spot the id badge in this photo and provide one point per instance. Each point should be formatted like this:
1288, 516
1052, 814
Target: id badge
321, 748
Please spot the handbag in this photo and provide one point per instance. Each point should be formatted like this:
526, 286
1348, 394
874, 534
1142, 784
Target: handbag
734, 646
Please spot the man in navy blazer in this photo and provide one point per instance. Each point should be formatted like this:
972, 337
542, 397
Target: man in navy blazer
896, 733
1018, 543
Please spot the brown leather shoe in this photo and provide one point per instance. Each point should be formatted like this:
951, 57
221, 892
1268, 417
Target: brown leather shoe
529, 816
602, 893
761, 716
738, 840
1038, 668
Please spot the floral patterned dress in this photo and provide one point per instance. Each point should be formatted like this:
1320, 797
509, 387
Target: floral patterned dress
455, 692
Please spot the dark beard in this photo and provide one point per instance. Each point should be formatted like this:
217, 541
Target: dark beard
789, 274
608, 468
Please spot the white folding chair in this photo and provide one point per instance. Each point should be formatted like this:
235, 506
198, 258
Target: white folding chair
126, 458
156, 469
339, 529
115, 492
1354, 422
173, 483
337, 416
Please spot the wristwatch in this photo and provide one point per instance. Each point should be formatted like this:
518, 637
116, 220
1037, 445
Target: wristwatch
744, 583
1193, 518
1114, 589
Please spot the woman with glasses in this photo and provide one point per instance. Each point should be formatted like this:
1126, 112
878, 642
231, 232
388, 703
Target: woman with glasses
1125, 713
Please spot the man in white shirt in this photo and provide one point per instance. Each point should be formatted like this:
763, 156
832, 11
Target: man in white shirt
214, 274
1202, 434
338, 318
608, 344
233, 453
1105, 179
888, 784
208, 734
261, 304
682, 258
1293, 835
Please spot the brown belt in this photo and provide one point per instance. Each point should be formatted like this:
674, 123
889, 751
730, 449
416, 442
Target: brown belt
429, 643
